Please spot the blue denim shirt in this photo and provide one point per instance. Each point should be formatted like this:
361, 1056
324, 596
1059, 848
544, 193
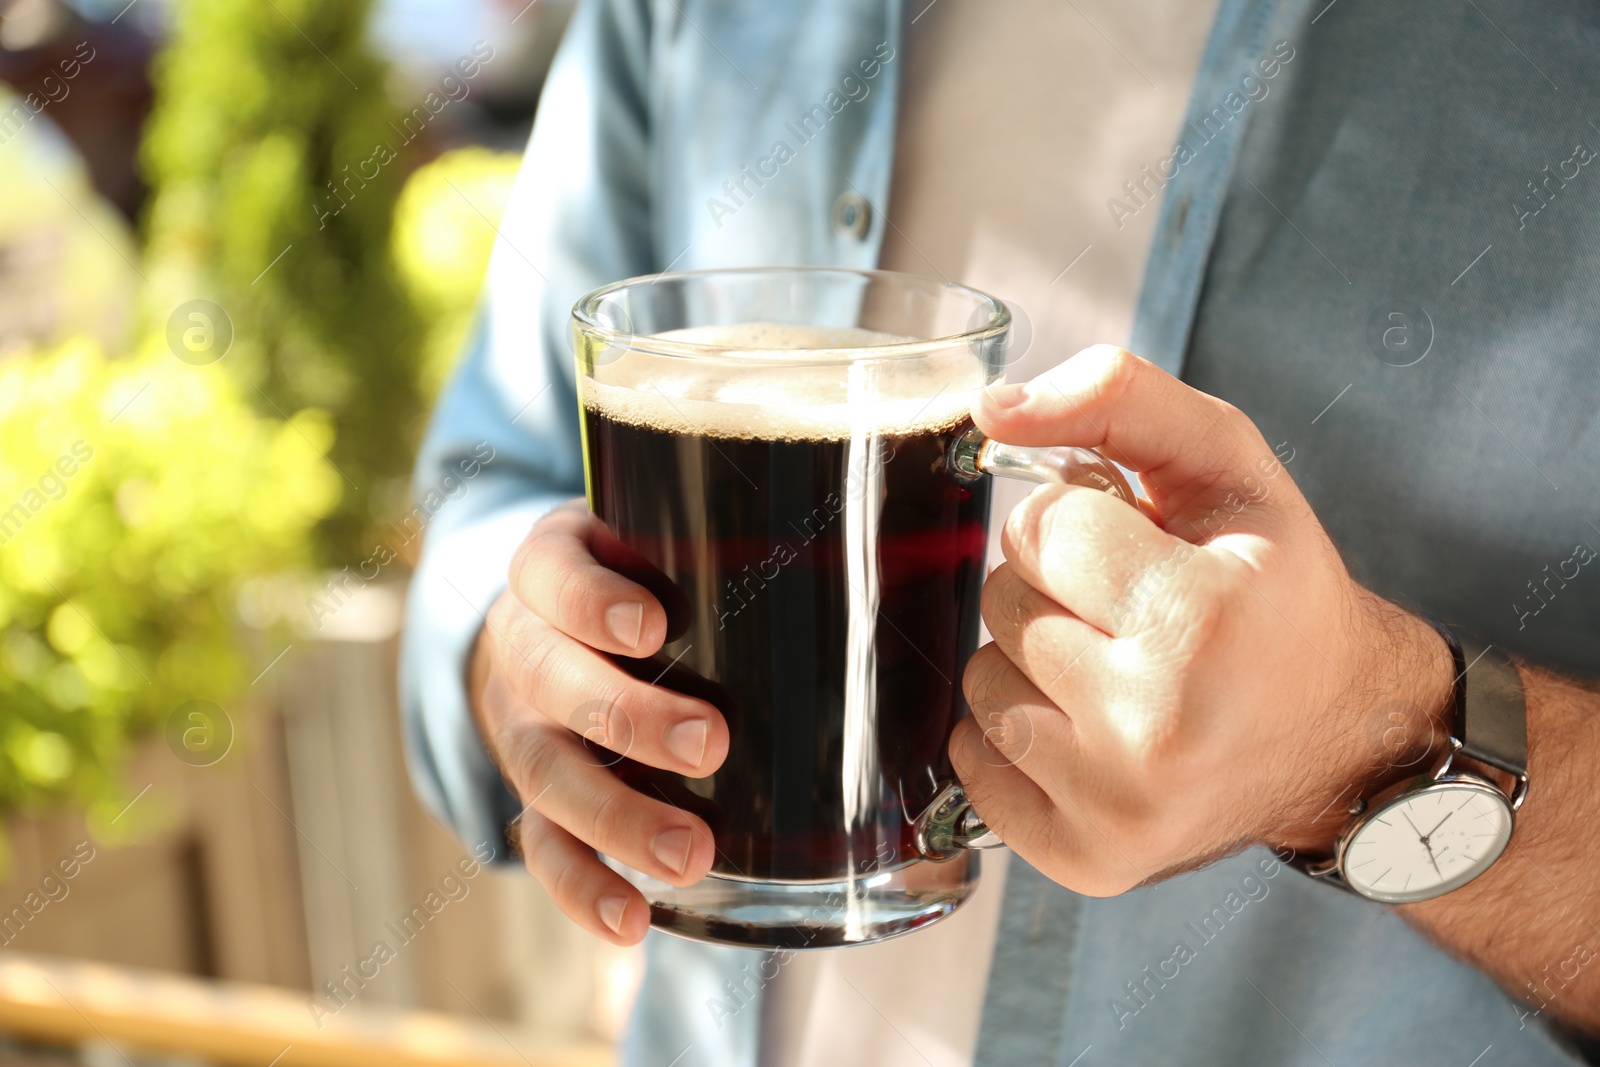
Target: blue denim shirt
1402, 140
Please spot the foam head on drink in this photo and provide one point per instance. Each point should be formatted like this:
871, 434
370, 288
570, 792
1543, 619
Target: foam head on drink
783, 381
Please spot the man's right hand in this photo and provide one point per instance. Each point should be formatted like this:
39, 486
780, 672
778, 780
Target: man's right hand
541, 682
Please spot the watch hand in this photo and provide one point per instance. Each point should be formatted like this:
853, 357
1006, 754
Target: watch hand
1424, 839
1440, 823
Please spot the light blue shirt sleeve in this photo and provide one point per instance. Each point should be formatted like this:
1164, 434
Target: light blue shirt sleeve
503, 447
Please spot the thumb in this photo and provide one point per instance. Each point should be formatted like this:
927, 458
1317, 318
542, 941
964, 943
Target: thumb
1191, 450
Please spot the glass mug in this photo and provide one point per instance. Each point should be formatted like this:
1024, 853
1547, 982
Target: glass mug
789, 455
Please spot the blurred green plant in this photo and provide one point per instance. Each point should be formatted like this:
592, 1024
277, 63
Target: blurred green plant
138, 495
135, 495
444, 229
275, 157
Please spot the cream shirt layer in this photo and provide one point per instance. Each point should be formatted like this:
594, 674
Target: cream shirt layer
1020, 122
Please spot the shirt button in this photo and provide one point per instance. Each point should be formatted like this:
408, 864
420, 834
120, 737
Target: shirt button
852, 216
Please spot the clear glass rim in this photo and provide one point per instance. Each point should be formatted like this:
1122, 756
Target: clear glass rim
586, 312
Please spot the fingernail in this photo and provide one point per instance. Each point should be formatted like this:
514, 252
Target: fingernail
687, 741
1007, 396
626, 623
671, 848
611, 911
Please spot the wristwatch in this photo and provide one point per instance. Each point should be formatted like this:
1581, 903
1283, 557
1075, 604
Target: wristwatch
1435, 833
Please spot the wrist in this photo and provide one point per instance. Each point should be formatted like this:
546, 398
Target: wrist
480, 679
1413, 727
1399, 728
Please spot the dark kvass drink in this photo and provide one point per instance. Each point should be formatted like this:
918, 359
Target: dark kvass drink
821, 570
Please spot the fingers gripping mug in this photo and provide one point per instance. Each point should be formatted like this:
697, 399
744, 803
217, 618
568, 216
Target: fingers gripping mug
788, 454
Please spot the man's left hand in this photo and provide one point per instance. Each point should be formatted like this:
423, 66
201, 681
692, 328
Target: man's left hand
1170, 684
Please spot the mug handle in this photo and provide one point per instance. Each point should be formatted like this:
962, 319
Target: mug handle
951, 824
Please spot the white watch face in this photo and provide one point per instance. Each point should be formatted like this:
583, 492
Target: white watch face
1426, 843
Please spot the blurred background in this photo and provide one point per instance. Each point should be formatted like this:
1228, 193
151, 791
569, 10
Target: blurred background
240, 246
